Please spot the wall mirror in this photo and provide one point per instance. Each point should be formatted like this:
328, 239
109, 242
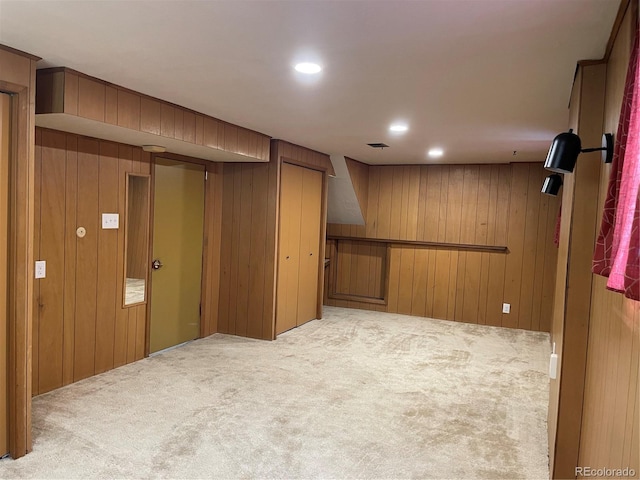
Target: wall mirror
136, 266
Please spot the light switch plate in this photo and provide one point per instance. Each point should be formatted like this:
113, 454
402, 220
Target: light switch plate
110, 221
41, 269
506, 308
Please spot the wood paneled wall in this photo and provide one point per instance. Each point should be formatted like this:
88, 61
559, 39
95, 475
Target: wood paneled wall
493, 205
18, 78
573, 289
610, 433
61, 90
80, 326
250, 196
247, 258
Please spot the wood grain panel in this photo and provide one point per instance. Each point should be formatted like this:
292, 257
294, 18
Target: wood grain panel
91, 99
244, 250
515, 240
71, 205
107, 251
473, 204
236, 297
128, 110
167, 121
225, 248
150, 116
257, 253
111, 105
71, 86
52, 223
36, 256
87, 258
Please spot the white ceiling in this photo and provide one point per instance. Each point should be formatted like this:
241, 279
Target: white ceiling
479, 78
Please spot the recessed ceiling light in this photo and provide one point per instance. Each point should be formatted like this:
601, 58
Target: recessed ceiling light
435, 152
398, 128
308, 68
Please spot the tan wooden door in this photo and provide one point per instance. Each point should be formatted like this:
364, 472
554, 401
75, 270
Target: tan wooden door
5, 102
178, 229
309, 245
298, 262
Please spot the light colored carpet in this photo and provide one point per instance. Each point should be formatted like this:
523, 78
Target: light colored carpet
355, 395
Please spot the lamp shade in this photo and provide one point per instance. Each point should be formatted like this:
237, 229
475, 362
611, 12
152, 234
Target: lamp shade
552, 184
563, 153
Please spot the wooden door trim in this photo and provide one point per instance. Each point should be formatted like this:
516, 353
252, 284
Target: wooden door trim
20, 281
152, 208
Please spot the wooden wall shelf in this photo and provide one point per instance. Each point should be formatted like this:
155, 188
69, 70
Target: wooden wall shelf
417, 243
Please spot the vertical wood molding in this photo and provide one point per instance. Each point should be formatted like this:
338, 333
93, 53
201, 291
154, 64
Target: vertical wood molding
17, 77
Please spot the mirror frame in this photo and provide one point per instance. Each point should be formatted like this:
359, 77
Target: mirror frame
129, 175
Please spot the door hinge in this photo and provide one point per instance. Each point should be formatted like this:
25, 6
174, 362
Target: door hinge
206, 175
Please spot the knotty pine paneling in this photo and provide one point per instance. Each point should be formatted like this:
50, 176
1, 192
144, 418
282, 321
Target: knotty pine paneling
249, 231
80, 326
609, 433
61, 90
497, 205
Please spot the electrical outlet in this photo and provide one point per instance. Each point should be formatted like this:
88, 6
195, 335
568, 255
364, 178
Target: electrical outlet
506, 308
110, 221
41, 269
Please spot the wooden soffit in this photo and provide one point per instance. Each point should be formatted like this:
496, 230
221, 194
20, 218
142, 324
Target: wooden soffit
70, 101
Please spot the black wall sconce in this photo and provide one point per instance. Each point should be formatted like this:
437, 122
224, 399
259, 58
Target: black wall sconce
552, 184
566, 147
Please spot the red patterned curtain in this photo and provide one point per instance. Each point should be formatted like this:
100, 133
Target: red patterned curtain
616, 253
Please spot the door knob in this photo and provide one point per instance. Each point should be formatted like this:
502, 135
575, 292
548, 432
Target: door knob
156, 264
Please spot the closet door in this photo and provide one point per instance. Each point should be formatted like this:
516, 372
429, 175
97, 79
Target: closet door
309, 245
298, 262
289, 252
